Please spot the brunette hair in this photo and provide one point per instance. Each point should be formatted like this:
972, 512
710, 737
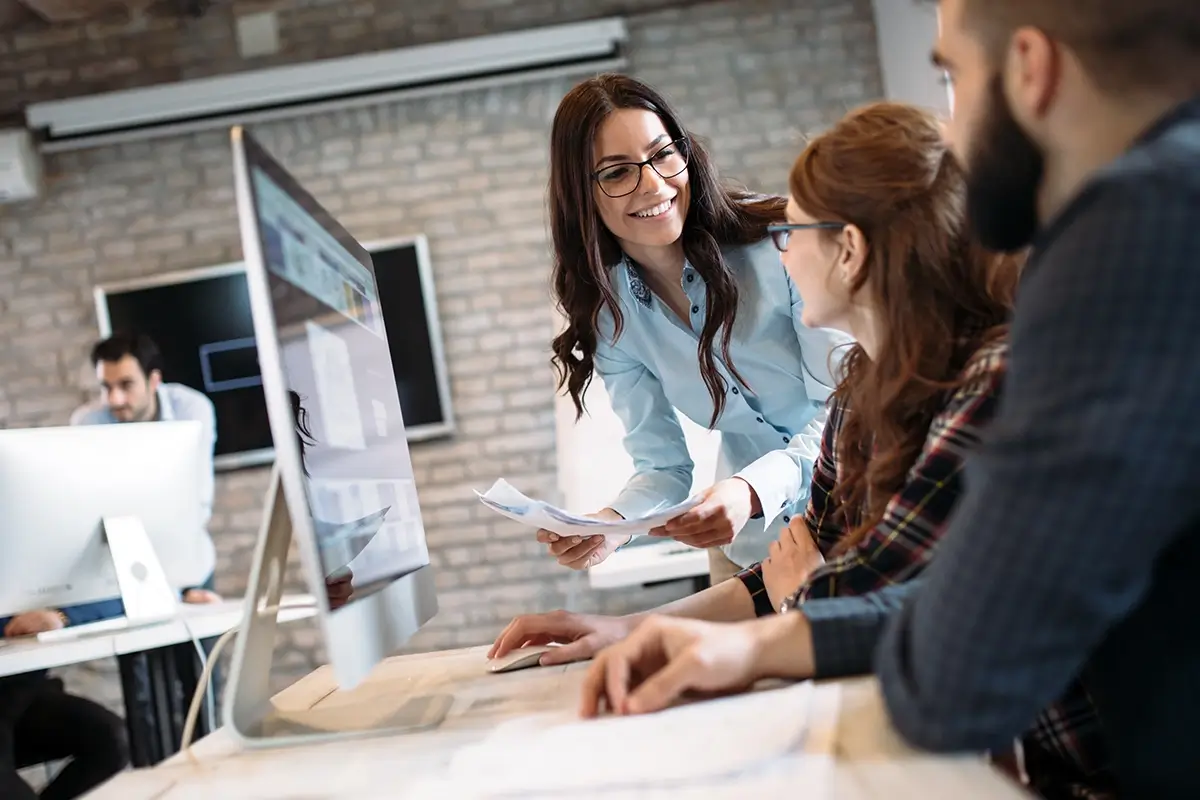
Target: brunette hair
585, 251
886, 169
1125, 45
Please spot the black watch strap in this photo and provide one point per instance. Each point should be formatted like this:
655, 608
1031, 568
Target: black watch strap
751, 578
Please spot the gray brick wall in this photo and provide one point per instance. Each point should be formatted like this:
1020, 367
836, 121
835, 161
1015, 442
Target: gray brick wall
467, 170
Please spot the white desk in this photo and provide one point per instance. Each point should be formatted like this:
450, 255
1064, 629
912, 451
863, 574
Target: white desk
850, 752
157, 736
651, 563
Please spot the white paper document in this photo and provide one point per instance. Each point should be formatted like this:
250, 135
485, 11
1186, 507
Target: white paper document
340, 543
729, 747
504, 499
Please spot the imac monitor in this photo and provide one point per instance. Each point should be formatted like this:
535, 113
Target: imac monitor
342, 456
58, 485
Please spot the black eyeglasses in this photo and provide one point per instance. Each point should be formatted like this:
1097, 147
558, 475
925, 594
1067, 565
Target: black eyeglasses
781, 233
618, 180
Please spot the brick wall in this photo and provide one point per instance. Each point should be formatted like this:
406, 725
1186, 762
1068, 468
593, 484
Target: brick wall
467, 170
38, 62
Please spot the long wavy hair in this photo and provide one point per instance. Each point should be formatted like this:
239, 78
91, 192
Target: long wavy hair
886, 169
585, 251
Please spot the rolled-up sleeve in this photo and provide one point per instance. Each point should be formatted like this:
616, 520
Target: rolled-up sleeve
654, 438
780, 477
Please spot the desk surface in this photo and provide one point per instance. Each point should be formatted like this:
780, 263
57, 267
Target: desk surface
850, 751
202, 621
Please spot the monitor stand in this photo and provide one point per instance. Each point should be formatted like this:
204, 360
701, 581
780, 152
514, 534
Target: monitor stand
145, 591
249, 711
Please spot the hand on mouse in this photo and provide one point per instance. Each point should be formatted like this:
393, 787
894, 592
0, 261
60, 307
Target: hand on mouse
582, 635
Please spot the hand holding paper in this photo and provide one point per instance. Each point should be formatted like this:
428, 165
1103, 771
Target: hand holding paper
584, 552
506, 500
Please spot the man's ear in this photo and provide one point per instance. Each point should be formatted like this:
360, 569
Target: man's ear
154, 380
1032, 72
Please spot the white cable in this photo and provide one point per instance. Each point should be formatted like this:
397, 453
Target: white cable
209, 689
189, 725
204, 686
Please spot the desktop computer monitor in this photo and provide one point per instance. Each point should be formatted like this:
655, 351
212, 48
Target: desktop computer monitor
58, 485
341, 454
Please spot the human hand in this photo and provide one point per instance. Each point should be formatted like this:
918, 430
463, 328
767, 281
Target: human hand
200, 597
667, 656
32, 622
724, 509
790, 560
582, 552
339, 590
583, 635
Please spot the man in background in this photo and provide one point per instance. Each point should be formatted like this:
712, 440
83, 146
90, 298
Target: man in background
129, 371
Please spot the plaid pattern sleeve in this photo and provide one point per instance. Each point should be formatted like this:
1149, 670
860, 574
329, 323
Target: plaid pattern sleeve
902, 543
826, 522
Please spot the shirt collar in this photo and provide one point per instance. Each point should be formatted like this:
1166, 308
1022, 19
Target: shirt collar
637, 284
633, 279
166, 412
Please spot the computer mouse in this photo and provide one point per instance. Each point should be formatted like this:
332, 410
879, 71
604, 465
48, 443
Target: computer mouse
520, 658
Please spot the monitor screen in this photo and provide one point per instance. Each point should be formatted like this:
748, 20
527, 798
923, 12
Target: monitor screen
201, 321
340, 384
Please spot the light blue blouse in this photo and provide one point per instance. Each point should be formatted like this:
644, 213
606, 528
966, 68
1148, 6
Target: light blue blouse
771, 425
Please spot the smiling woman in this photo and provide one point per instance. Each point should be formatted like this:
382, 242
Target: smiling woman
675, 296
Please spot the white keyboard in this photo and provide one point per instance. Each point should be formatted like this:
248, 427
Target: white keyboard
87, 629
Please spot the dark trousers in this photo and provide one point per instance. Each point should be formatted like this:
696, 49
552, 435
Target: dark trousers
40, 723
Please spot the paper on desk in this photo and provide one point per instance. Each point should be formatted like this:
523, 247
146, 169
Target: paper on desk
340, 543
696, 750
508, 501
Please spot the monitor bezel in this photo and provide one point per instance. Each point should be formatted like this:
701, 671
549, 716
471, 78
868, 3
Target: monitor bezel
364, 631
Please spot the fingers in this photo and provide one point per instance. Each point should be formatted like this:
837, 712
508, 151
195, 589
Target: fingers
592, 690
663, 687
576, 552
616, 680
579, 650
557, 626
707, 538
612, 674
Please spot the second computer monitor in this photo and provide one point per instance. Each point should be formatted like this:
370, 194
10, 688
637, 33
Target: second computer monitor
340, 448
57, 485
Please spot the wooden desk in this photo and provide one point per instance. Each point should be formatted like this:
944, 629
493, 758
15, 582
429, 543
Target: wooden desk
850, 753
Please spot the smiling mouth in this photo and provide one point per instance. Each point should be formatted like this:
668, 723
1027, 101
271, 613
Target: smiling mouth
655, 211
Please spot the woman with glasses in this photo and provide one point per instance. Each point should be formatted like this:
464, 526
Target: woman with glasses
674, 296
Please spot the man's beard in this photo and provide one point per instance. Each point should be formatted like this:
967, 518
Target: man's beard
1004, 173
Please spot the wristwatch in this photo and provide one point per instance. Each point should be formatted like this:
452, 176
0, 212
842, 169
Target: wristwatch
788, 603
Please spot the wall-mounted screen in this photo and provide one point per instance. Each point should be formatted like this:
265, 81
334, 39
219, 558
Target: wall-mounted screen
201, 321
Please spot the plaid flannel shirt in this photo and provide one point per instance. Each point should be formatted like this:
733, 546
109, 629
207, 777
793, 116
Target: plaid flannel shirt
1065, 754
